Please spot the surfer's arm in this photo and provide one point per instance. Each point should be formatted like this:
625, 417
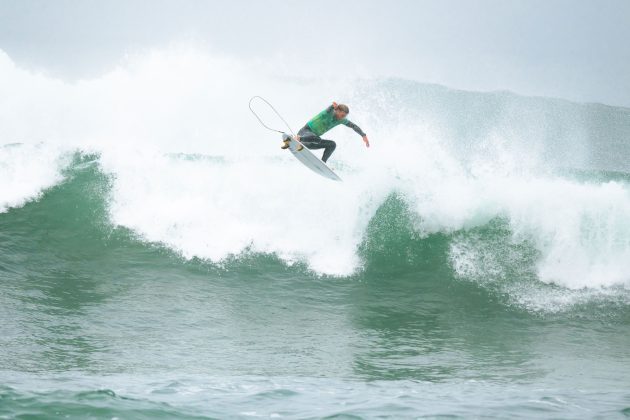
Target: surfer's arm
355, 127
360, 132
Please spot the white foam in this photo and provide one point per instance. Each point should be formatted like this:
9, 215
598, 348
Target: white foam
26, 171
242, 194
213, 210
581, 230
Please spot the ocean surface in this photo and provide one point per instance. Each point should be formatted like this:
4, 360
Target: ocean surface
161, 257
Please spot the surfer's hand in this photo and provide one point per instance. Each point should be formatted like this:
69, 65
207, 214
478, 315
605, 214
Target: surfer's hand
334, 105
366, 141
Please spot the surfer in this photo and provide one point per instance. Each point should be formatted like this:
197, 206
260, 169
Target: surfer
331, 117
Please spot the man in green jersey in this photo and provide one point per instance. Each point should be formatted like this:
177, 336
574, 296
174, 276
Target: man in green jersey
331, 117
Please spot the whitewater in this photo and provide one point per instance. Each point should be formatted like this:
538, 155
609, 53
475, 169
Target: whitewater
192, 171
161, 257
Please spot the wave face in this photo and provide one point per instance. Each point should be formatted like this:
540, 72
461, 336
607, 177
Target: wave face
530, 196
161, 257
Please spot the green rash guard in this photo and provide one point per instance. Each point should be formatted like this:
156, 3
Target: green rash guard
326, 120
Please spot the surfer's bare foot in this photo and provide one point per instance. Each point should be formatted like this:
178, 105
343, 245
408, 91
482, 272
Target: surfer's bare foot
299, 148
285, 144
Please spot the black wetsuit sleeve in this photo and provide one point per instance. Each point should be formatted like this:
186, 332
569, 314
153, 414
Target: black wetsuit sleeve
355, 128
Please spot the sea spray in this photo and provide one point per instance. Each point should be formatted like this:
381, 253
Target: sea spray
193, 171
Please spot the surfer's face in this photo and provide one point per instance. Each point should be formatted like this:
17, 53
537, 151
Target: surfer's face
339, 114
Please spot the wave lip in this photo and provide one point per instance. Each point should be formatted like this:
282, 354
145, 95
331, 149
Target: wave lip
459, 160
580, 231
26, 170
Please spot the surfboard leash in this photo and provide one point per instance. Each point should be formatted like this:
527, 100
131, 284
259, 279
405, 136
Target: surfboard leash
274, 110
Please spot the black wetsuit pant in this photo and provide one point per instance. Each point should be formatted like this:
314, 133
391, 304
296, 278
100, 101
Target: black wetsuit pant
313, 141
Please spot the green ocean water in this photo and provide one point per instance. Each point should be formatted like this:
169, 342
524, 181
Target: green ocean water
161, 257
97, 323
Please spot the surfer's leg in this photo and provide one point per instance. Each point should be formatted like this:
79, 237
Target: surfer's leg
315, 143
329, 147
312, 142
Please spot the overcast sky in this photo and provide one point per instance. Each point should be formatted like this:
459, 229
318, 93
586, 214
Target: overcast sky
575, 49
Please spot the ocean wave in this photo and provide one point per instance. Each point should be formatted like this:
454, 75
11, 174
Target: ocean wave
189, 169
26, 170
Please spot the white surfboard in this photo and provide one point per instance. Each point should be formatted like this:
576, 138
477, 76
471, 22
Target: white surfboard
309, 160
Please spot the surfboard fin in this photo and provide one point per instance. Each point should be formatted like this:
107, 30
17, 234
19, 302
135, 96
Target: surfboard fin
285, 144
300, 148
